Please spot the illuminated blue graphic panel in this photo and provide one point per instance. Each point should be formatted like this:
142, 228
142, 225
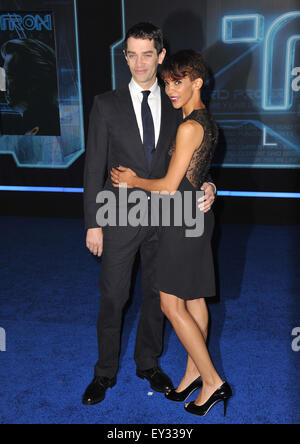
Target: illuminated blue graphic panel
253, 52
243, 28
40, 128
279, 38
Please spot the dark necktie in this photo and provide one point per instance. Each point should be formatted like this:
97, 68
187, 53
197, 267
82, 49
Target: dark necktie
148, 128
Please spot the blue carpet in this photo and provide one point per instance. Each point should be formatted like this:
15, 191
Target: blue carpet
48, 308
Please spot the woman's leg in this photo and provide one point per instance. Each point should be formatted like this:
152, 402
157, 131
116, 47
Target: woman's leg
193, 340
198, 310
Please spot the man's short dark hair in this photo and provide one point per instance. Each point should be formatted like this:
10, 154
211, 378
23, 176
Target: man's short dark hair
146, 31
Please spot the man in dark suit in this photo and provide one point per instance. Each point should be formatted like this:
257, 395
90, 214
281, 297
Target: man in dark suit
134, 127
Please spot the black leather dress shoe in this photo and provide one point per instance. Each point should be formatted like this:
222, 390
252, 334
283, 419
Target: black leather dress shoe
159, 381
95, 393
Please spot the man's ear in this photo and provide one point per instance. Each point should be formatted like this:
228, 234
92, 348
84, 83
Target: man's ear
125, 54
162, 56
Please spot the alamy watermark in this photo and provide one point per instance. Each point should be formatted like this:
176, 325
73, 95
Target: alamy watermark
296, 341
2, 80
296, 81
2, 340
160, 210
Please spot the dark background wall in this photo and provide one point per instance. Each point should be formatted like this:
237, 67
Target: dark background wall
99, 27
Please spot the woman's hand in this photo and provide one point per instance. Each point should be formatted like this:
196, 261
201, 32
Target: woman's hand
122, 177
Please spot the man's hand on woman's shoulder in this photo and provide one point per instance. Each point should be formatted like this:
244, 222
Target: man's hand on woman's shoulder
209, 198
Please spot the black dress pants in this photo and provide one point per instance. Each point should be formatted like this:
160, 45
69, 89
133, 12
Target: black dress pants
120, 246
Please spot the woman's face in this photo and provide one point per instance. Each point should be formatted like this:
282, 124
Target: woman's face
179, 91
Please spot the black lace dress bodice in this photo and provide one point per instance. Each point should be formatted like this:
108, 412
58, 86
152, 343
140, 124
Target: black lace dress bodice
201, 161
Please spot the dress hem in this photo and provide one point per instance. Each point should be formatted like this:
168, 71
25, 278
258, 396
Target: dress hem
184, 298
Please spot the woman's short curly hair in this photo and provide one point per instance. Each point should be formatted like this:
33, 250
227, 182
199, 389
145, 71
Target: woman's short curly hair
184, 63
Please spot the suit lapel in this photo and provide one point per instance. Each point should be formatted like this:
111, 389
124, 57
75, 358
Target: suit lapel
129, 118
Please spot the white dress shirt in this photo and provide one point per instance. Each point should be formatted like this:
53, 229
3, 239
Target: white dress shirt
154, 101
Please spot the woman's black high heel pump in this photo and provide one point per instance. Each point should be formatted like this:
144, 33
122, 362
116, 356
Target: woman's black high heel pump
182, 396
224, 393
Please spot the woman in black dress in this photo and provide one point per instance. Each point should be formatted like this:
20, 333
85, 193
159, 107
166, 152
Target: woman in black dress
185, 269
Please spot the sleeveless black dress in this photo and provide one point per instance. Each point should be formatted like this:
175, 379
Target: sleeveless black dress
185, 266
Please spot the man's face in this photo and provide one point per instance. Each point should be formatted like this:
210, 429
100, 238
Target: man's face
143, 61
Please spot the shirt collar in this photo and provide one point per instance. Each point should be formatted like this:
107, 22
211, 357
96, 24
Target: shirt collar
138, 90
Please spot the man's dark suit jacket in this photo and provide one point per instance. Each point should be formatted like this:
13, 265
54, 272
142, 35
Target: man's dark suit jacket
114, 139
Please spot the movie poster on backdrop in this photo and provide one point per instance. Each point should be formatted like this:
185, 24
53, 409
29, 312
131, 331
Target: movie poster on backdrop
41, 118
30, 94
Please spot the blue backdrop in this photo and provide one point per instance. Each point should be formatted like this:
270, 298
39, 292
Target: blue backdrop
252, 50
